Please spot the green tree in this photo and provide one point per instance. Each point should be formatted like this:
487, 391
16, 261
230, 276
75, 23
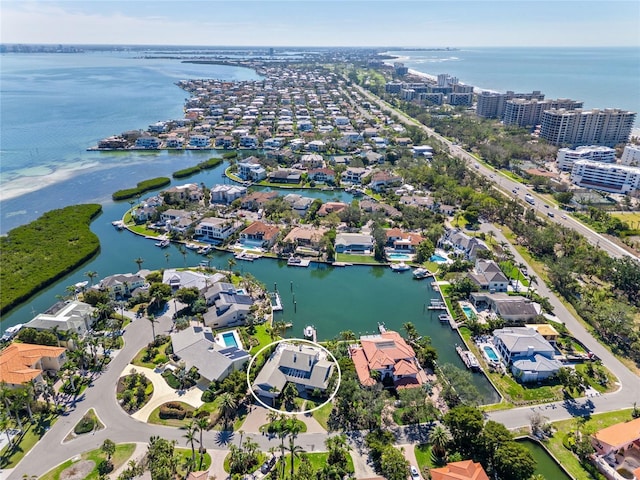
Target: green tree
439, 438
109, 448
425, 250
465, 424
514, 461
139, 261
187, 295
393, 465
91, 275
190, 437
228, 406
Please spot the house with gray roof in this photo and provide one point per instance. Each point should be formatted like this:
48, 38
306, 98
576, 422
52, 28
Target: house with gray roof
354, 243
487, 275
461, 244
302, 364
196, 347
529, 355
187, 278
512, 308
69, 317
228, 306
121, 284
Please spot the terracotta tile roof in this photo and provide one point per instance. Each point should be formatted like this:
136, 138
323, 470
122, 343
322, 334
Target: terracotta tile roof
18, 359
257, 228
362, 367
393, 345
465, 470
405, 368
620, 434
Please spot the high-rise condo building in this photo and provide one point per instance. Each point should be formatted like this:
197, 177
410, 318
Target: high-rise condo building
609, 127
491, 104
631, 155
527, 113
597, 153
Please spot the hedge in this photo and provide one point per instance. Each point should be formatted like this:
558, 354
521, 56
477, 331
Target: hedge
39, 253
141, 188
186, 172
172, 410
85, 425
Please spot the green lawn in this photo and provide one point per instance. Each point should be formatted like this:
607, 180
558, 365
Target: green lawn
352, 258
31, 436
317, 461
322, 415
161, 357
595, 423
514, 273
121, 455
143, 230
609, 387
299, 423
184, 453
263, 338
155, 419
423, 456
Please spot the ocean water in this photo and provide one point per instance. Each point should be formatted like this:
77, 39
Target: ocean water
600, 77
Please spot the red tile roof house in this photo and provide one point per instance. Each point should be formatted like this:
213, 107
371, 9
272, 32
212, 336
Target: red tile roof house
260, 234
23, 362
464, 470
389, 354
403, 241
382, 180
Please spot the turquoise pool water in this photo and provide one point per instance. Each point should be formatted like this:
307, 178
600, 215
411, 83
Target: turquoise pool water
437, 258
230, 340
468, 311
398, 256
490, 353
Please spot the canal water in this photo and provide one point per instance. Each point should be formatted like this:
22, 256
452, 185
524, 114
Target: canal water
546, 464
333, 299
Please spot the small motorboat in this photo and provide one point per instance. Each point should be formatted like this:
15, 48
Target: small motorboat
399, 267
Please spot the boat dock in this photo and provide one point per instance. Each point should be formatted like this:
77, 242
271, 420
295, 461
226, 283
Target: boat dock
341, 264
446, 318
468, 358
298, 262
437, 305
278, 303
244, 255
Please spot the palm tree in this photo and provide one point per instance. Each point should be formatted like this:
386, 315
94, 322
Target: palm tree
232, 263
72, 291
519, 267
412, 332
491, 234
139, 261
91, 274
228, 405
183, 252
190, 436
153, 321
294, 450
202, 423
5, 424
28, 395
347, 335
9, 402
439, 438
532, 279
166, 257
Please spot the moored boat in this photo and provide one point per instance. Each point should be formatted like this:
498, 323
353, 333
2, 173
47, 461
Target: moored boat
11, 332
163, 243
399, 267
420, 273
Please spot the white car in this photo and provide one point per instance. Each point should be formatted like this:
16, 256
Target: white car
415, 475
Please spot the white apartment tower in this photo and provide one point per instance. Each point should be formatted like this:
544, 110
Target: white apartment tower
526, 113
566, 157
631, 155
584, 127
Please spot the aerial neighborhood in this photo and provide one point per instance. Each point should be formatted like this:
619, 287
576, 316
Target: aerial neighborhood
524, 279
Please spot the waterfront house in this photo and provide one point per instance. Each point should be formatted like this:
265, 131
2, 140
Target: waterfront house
463, 470
250, 169
354, 243
248, 141
216, 230
388, 210
23, 362
148, 142
224, 141
391, 356
177, 220
158, 127
115, 142
196, 347
298, 203
304, 365
487, 275
226, 193
402, 242
354, 175
174, 142
511, 308
66, 317
322, 175
177, 279
189, 192
530, 356
285, 176
382, 180
257, 200
199, 141
121, 285
306, 236
312, 160
259, 234
274, 143
229, 307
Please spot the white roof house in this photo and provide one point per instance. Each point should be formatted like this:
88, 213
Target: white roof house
70, 316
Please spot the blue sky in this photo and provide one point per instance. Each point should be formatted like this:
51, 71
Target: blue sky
421, 23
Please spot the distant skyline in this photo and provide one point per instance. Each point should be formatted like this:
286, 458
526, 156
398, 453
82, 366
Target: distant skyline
418, 23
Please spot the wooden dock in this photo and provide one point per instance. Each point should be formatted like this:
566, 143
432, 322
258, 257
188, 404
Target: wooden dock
437, 305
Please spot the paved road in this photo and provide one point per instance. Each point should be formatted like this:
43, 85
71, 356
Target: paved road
506, 184
623, 398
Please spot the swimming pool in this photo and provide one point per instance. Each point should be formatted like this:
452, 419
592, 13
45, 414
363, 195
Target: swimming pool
468, 311
490, 353
398, 256
229, 340
437, 258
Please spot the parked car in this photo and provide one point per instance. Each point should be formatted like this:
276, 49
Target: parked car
415, 475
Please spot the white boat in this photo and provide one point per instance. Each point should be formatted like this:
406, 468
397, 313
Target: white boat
192, 246
310, 333
11, 332
119, 224
421, 273
298, 262
249, 257
81, 285
163, 243
204, 250
399, 267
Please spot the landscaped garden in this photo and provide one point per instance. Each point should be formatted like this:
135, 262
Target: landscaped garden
134, 391
153, 354
92, 464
